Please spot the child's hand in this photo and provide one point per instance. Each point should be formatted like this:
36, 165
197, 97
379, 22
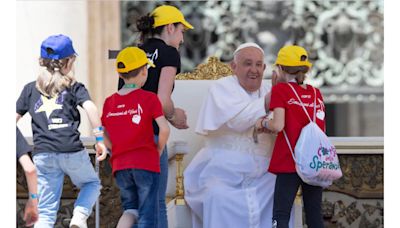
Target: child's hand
160, 150
274, 79
101, 151
31, 214
258, 126
180, 119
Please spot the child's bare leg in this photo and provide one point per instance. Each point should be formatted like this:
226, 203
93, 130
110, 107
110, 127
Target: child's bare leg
128, 218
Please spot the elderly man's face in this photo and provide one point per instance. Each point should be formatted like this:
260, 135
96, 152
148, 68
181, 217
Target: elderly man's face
249, 67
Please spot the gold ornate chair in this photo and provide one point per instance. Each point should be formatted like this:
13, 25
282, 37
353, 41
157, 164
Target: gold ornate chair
190, 88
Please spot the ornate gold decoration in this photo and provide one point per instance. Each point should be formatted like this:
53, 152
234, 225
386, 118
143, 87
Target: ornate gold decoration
299, 197
180, 191
362, 176
212, 70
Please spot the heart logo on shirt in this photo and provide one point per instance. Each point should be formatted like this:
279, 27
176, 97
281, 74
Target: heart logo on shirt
320, 114
136, 119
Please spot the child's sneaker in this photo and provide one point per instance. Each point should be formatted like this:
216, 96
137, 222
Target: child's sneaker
78, 220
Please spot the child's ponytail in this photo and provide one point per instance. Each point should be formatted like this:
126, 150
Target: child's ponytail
51, 81
145, 26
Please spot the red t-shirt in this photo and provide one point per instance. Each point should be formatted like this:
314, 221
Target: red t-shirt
282, 96
128, 122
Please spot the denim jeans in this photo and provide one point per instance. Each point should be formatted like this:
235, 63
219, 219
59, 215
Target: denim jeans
139, 191
162, 189
286, 186
51, 168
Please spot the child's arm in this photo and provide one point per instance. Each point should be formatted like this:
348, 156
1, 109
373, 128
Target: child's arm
267, 100
30, 172
163, 133
277, 123
93, 115
31, 213
18, 117
107, 140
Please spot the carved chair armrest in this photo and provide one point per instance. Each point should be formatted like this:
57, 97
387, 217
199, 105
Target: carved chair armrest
175, 165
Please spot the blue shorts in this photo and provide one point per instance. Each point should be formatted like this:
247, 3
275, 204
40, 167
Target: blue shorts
139, 190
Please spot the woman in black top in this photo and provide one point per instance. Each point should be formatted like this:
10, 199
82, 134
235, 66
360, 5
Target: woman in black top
161, 35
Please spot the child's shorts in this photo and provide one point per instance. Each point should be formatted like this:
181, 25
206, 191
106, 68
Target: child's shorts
138, 189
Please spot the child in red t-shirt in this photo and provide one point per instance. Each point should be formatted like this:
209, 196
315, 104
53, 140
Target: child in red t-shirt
127, 118
292, 65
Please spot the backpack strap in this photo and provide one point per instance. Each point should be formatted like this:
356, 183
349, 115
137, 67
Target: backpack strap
315, 103
302, 105
290, 147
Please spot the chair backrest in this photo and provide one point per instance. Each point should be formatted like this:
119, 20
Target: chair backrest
213, 69
189, 94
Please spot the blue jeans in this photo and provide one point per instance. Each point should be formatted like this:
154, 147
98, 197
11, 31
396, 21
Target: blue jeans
51, 168
139, 191
162, 189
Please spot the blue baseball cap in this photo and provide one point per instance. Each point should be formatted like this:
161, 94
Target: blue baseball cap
57, 47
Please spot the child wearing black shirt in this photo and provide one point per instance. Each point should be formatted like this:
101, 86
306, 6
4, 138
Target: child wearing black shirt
52, 102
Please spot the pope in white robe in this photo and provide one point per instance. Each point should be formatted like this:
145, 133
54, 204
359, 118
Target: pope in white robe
227, 184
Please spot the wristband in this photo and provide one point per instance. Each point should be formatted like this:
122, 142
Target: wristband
99, 138
98, 130
33, 195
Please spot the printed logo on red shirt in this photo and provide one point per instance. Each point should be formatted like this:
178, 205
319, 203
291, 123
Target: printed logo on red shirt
136, 118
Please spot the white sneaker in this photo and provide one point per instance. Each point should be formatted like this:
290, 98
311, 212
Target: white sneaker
78, 220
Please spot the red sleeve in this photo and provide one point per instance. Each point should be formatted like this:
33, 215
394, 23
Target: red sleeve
277, 97
103, 115
157, 107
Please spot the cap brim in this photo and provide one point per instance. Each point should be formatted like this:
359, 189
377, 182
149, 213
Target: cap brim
187, 25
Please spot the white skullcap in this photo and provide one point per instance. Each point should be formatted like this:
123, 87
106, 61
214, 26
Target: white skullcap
246, 45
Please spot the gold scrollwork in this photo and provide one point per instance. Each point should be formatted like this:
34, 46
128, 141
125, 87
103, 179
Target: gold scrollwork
212, 70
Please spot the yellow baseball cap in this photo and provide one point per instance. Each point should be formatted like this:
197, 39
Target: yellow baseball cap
292, 55
166, 14
132, 58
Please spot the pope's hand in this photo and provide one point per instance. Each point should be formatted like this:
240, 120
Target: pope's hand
180, 120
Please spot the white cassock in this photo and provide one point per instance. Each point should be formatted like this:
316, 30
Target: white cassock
227, 184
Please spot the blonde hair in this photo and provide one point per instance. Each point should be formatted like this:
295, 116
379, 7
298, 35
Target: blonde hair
51, 81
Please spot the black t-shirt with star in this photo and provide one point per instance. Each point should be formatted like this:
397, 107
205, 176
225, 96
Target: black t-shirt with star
22, 145
55, 120
162, 55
